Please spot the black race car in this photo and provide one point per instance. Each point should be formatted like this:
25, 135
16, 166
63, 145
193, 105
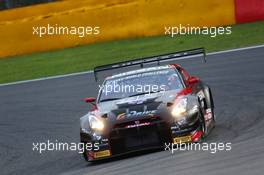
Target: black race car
146, 108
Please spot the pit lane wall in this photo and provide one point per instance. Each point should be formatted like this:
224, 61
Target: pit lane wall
117, 19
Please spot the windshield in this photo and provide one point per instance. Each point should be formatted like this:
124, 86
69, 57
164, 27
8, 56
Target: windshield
139, 84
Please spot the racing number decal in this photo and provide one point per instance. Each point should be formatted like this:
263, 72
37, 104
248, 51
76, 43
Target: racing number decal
201, 97
200, 94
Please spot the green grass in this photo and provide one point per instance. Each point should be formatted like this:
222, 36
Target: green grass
84, 58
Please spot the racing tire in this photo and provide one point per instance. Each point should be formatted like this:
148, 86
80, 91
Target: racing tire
84, 154
202, 126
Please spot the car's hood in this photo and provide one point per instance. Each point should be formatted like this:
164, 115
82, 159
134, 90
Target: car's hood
137, 107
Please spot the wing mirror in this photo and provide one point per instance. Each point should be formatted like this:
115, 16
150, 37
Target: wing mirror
91, 100
193, 80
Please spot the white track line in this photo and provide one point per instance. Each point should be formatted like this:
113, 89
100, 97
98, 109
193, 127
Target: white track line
88, 72
46, 78
235, 50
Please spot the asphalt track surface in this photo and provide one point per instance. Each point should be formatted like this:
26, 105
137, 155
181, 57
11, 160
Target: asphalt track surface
50, 110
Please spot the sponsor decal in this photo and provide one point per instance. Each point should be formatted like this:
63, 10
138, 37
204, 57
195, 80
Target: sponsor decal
136, 114
100, 154
200, 94
208, 117
183, 139
121, 116
144, 72
136, 102
138, 124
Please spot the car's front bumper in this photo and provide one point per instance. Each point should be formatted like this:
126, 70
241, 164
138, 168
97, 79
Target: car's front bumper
156, 134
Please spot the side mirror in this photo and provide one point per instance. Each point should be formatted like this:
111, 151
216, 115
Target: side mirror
90, 100
193, 80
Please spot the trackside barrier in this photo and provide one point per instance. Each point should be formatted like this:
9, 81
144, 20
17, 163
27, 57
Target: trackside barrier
116, 19
249, 10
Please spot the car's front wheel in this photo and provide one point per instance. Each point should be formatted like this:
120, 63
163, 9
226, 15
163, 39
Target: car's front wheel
84, 154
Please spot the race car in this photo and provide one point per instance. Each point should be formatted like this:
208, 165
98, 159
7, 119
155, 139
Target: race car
147, 107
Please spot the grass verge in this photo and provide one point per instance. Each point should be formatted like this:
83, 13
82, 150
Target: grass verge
84, 58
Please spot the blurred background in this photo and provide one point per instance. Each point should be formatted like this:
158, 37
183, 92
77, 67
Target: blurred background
8, 4
128, 29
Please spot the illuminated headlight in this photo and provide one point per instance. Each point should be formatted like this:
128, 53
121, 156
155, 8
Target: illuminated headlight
179, 110
95, 123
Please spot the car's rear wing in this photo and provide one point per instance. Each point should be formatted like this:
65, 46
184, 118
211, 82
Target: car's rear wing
158, 58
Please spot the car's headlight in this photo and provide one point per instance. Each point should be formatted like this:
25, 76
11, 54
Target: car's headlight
179, 110
95, 123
